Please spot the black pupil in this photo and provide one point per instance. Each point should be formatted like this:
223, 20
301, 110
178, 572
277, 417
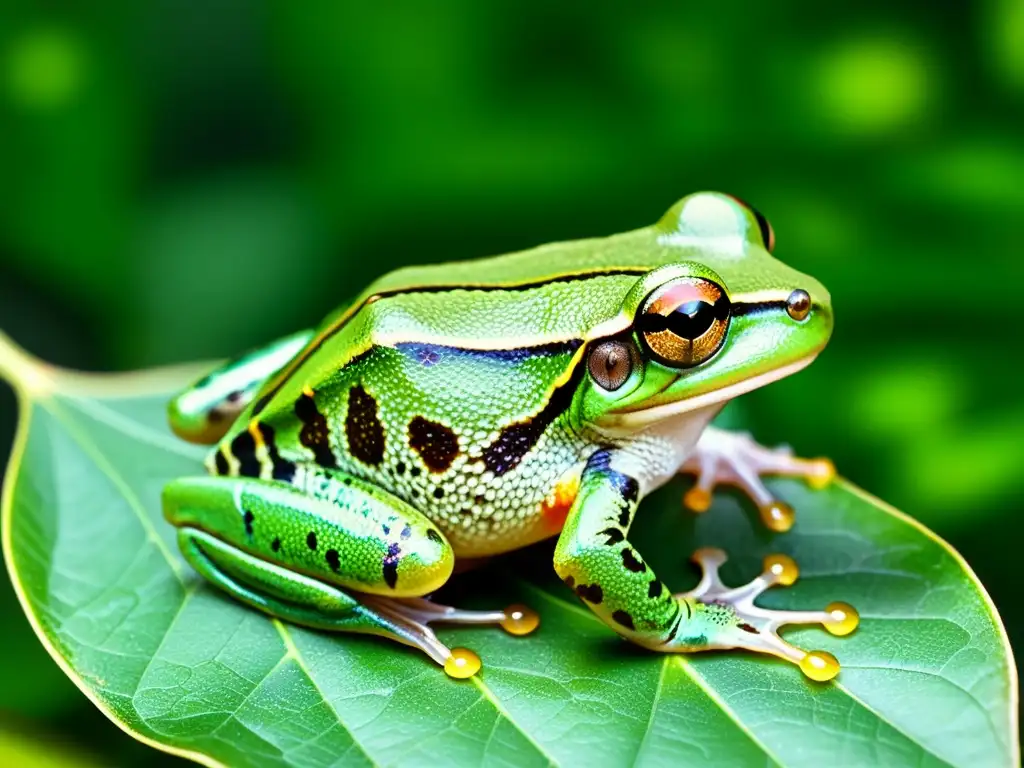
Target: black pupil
690, 320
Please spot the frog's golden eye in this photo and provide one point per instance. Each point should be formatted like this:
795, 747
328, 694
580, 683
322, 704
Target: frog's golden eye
683, 322
610, 364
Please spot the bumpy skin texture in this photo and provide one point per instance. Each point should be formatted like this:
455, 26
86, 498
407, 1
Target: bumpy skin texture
342, 533
461, 393
464, 401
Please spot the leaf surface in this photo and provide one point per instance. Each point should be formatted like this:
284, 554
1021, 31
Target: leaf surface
928, 679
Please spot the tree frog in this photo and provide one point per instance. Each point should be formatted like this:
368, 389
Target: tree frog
464, 410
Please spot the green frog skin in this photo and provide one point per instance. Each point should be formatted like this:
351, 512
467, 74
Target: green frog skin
464, 410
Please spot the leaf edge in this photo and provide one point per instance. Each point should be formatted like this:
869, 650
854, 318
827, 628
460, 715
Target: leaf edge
1012, 676
26, 403
23, 373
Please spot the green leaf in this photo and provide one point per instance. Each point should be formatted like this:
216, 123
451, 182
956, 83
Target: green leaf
927, 680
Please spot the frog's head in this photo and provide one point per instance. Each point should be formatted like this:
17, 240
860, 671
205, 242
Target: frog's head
721, 317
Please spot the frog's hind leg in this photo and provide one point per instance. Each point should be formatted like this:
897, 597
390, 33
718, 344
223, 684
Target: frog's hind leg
733, 458
356, 560
203, 412
418, 613
299, 599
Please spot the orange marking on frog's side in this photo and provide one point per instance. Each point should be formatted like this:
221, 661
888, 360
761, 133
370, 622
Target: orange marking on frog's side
555, 507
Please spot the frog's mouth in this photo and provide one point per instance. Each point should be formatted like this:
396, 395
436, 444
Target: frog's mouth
629, 421
762, 346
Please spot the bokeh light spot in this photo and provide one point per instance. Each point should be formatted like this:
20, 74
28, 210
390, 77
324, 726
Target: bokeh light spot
915, 395
963, 472
980, 175
1005, 43
44, 69
874, 86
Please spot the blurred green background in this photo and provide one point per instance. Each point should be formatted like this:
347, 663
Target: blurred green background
182, 181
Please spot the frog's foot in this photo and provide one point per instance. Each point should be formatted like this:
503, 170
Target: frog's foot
413, 617
736, 459
738, 623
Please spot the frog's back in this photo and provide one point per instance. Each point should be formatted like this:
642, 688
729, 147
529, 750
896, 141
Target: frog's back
549, 295
628, 252
554, 294
558, 290
551, 292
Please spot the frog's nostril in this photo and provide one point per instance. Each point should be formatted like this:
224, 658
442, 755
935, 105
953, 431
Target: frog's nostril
798, 305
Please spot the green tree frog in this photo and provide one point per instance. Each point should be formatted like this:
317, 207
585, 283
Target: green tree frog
464, 410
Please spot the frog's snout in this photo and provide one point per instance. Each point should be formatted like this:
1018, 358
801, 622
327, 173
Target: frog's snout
802, 304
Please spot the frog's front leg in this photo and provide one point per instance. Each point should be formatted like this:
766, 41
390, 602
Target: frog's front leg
595, 559
734, 458
353, 560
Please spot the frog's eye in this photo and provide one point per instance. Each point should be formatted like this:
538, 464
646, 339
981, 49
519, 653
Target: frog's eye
683, 322
610, 364
767, 233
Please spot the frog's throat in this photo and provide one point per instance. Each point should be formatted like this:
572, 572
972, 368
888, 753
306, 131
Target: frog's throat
635, 421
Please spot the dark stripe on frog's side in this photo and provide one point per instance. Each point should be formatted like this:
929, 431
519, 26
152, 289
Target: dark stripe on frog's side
274, 386
243, 448
436, 444
315, 432
503, 455
429, 355
221, 463
363, 429
517, 440
280, 469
